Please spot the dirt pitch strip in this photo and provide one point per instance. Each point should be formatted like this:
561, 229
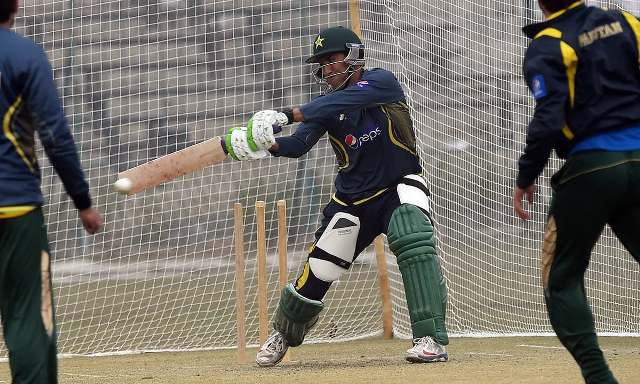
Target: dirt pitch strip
472, 360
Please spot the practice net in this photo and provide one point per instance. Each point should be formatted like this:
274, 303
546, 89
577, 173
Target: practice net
140, 79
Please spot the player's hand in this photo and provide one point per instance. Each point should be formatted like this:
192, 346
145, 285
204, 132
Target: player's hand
91, 220
518, 194
237, 144
271, 117
262, 126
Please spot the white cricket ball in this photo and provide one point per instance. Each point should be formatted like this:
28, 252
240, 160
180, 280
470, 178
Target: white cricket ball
123, 185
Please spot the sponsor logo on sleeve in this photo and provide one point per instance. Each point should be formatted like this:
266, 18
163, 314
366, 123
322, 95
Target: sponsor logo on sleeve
362, 83
538, 87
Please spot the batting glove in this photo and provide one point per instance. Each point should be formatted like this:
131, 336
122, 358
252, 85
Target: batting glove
262, 126
237, 144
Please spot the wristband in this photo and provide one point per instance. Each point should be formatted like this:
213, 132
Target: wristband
289, 113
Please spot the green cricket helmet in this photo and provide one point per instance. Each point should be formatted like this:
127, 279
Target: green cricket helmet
338, 39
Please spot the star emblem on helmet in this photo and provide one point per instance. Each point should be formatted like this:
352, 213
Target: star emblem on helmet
319, 42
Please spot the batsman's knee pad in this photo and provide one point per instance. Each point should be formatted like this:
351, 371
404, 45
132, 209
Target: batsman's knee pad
412, 189
411, 239
295, 315
334, 251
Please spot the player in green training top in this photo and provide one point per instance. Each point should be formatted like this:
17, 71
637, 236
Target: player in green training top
29, 103
379, 189
582, 69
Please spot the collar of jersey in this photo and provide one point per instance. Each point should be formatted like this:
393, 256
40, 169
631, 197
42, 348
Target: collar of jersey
532, 30
560, 12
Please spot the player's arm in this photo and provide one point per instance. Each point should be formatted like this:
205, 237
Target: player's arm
546, 77
42, 100
380, 87
300, 142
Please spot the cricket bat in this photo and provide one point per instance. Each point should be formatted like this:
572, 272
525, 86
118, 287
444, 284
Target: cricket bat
168, 167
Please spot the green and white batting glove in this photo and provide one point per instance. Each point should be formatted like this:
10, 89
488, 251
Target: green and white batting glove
237, 144
262, 126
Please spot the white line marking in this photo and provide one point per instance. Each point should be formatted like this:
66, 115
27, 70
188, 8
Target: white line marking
538, 346
489, 354
81, 375
545, 347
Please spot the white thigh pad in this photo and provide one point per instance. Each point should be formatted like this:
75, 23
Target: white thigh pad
412, 189
336, 247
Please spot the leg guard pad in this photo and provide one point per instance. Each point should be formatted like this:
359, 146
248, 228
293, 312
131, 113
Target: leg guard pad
334, 251
410, 238
295, 315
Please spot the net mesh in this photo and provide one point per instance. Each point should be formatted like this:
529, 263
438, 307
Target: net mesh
140, 79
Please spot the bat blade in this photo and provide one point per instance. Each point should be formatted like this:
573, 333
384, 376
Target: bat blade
168, 167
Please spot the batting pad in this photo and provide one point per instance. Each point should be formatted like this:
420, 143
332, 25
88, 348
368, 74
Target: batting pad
410, 237
295, 315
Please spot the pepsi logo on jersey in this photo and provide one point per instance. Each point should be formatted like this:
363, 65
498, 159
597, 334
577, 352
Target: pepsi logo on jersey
356, 142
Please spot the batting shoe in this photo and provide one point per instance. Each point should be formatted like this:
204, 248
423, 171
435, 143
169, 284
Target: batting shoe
426, 350
272, 351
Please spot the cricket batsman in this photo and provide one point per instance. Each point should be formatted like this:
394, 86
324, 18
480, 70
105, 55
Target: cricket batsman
379, 189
